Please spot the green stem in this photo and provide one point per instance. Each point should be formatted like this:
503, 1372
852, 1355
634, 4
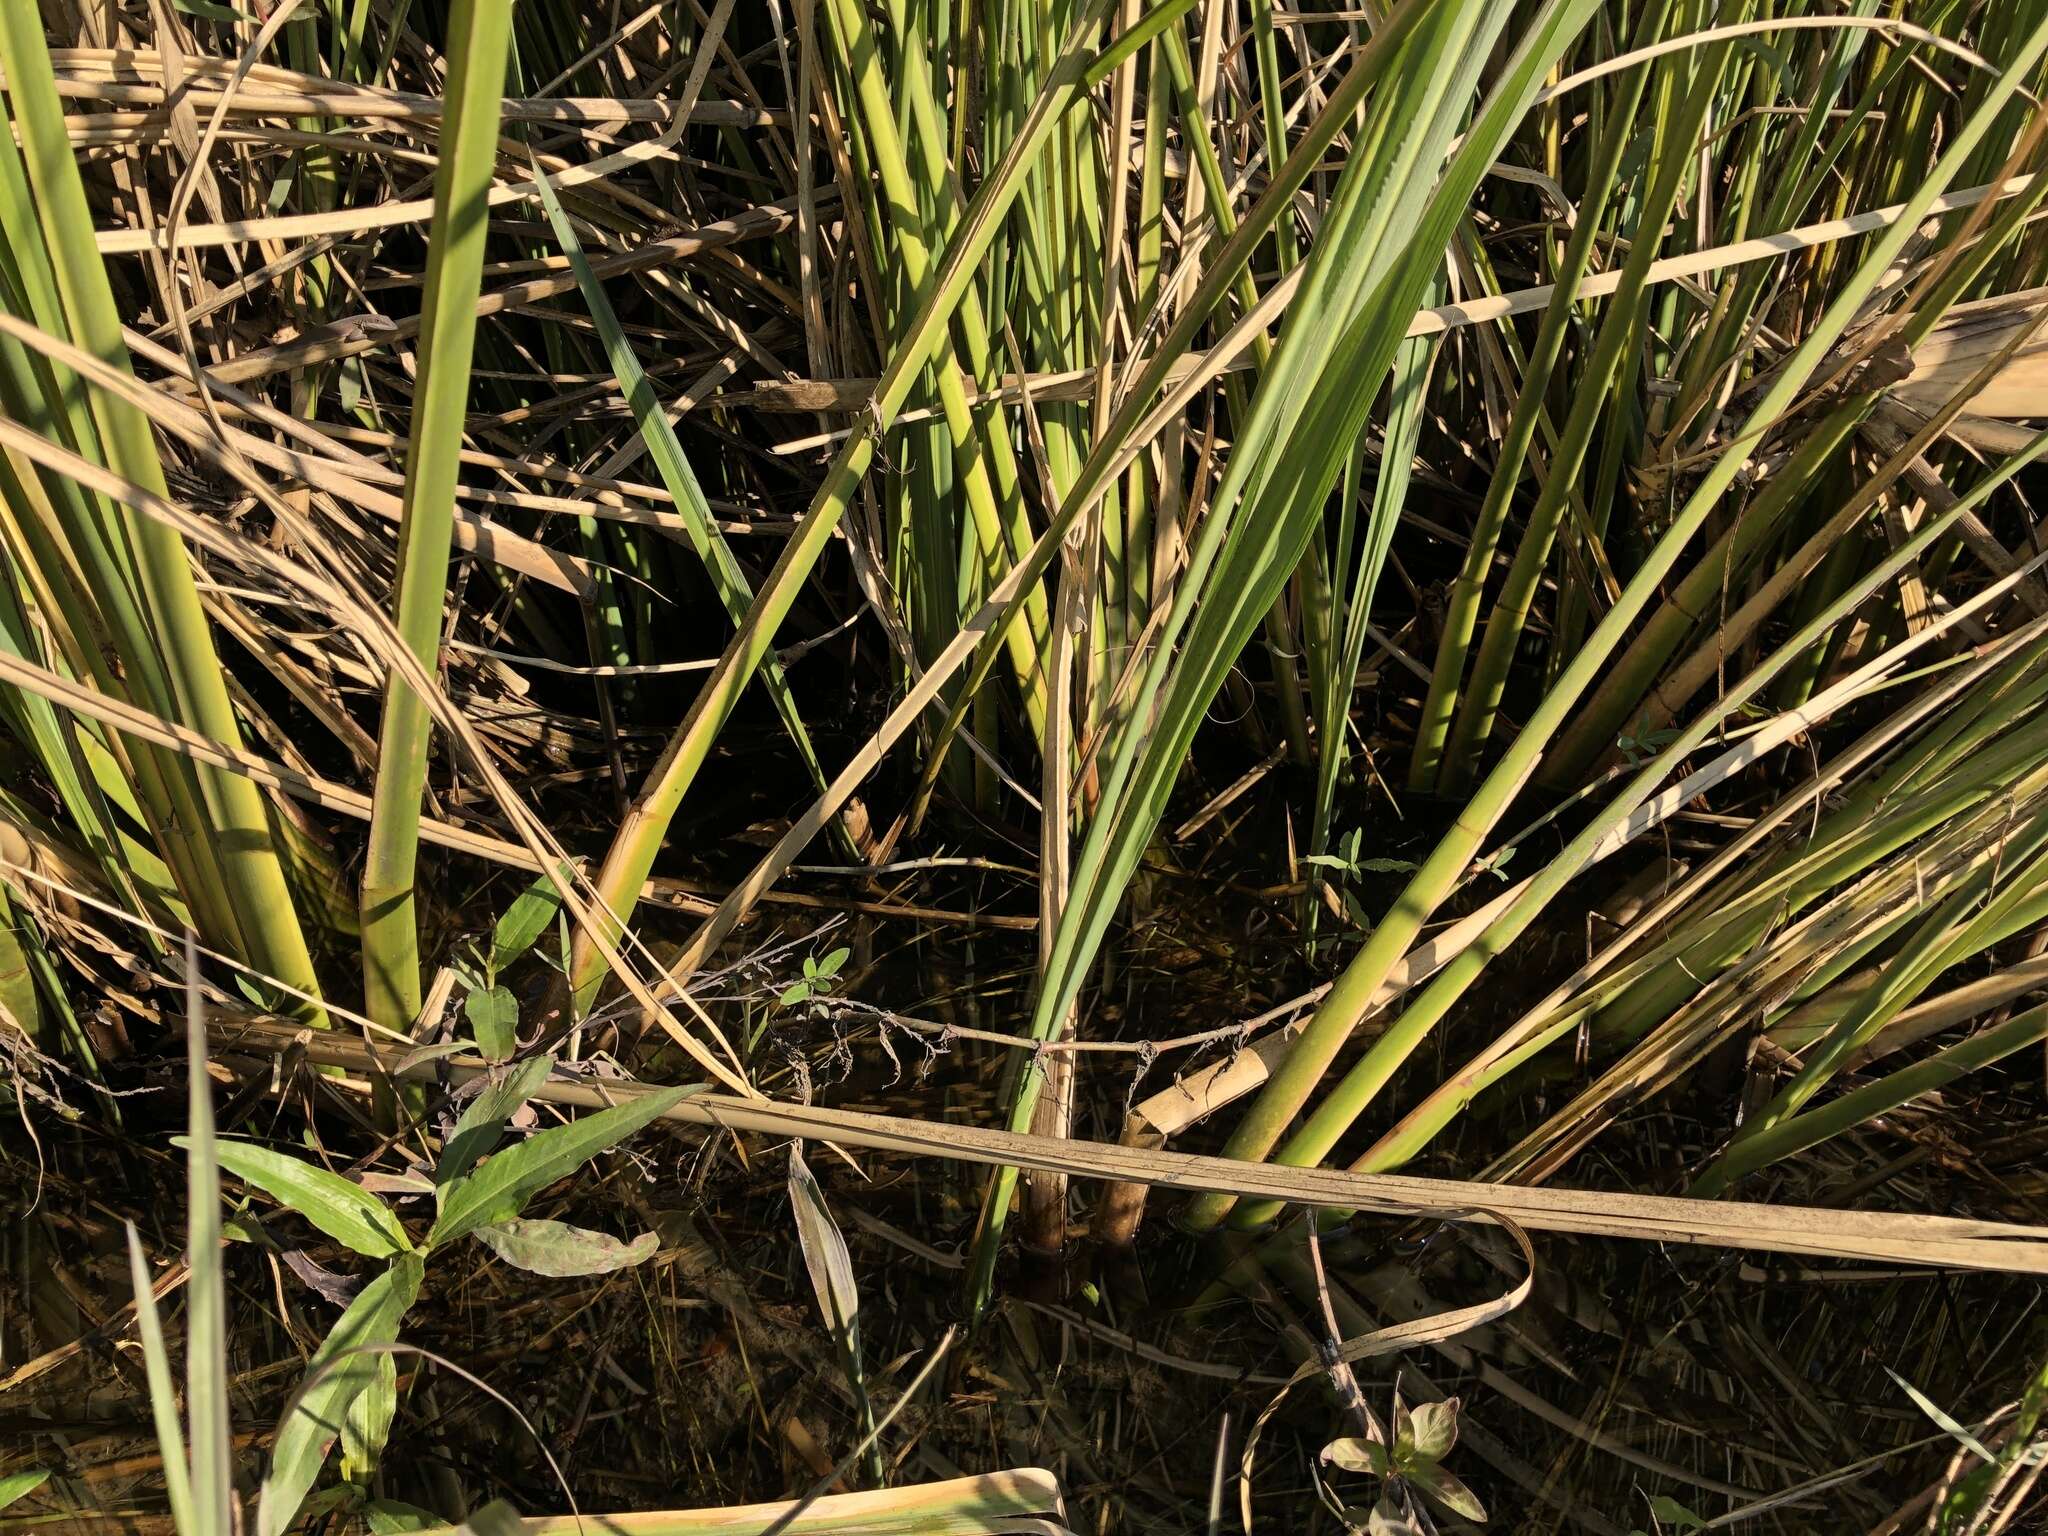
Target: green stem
1674, 160
1461, 606
480, 35
225, 810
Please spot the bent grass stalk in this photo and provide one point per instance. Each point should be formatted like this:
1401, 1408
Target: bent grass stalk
1342, 1107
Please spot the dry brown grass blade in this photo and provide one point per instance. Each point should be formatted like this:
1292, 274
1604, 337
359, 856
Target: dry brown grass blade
1967, 346
960, 1507
1967, 337
1877, 1236
348, 338
344, 605
473, 534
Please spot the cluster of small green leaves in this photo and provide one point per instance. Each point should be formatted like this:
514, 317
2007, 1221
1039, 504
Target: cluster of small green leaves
819, 977
1423, 1436
1347, 866
488, 1004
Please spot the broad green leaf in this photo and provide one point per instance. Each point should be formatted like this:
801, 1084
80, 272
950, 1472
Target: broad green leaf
394, 1517
524, 922
345, 1212
1448, 1491
482, 1124
1378, 249
831, 964
1428, 1431
1674, 1515
496, 1518
19, 1485
438, 1051
501, 1187
328, 1501
493, 1012
556, 1249
1357, 1454
214, 12
341, 1369
1389, 1519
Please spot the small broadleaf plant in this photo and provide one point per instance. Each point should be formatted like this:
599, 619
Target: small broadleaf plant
488, 1004
819, 979
479, 1191
1423, 1436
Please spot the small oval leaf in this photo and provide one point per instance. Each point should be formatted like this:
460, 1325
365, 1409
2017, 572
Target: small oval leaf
1431, 1429
493, 1012
1448, 1491
556, 1249
524, 922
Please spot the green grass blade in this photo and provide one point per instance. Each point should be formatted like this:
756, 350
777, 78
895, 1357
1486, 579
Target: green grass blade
163, 1391
342, 1369
1461, 608
206, 1327
1793, 1134
1349, 1098
479, 34
633, 849
1380, 246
